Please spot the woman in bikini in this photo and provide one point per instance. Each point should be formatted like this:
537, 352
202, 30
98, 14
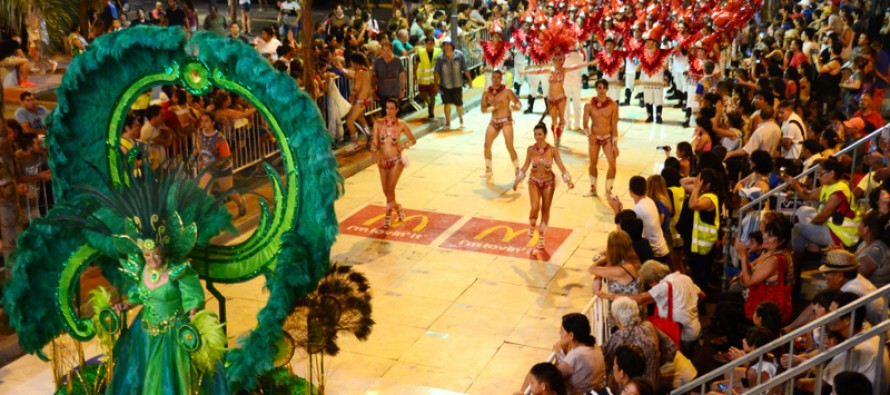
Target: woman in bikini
360, 97
385, 144
541, 180
556, 96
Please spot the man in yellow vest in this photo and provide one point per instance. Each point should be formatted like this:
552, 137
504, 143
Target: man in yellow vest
425, 77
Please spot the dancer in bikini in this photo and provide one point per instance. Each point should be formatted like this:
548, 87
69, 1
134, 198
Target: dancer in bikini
386, 146
601, 116
541, 180
360, 97
500, 102
556, 96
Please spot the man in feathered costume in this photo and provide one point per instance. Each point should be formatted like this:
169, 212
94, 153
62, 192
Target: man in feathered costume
609, 61
653, 61
495, 52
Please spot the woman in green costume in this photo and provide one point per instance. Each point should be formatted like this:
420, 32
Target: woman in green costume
149, 358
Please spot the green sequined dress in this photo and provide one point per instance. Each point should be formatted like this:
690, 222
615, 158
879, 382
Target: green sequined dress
148, 356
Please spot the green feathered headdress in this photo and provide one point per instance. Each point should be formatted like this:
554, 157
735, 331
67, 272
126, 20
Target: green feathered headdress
152, 208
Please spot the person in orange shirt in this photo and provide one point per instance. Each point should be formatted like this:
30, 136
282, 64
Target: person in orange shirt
214, 160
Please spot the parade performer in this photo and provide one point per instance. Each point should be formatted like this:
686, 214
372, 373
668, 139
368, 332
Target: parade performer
633, 50
608, 60
541, 181
386, 145
556, 96
495, 52
500, 102
536, 59
141, 219
575, 61
652, 65
425, 77
601, 127
520, 52
361, 97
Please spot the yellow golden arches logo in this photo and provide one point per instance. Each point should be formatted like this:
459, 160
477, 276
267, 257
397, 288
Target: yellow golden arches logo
424, 221
509, 234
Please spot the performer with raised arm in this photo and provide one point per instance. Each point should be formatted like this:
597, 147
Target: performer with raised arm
653, 61
386, 145
601, 128
495, 52
500, 102
541, 181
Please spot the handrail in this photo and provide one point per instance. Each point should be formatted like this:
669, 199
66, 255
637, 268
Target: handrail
788, 338
758, 202
790, 374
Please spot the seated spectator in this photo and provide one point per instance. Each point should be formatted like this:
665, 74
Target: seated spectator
840, 271
656, 189
851, 383
756, 183
658, 349
704, 135
760, 372
628, 364
872, 253
31, 115
684, 295
768, 278
545, 379
11, 56
810, 346
685, 155
580, 358
864, 358
836, 219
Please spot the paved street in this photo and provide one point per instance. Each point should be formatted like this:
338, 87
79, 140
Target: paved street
460, 305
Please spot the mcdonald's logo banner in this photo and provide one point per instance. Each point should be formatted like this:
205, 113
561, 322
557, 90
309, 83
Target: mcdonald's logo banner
419, 227
504, 238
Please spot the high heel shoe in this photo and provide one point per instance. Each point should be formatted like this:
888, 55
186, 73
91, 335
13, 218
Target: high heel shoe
531, 231
401, 213
387, 220
541, 242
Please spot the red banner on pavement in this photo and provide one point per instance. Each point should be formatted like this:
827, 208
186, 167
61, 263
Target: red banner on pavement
419, 227
505, 238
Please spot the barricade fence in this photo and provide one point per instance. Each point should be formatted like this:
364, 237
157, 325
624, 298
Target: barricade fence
786, 343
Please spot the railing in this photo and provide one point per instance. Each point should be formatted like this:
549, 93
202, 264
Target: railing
787, 343
596, 311
774, 193
469, 42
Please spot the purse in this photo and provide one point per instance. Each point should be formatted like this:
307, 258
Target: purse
667, 324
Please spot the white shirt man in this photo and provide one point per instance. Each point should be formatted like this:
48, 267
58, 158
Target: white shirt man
685, 303
766, 137
647, 212
792, 134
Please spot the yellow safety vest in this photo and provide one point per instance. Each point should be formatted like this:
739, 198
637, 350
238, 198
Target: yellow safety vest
425, 66
679, 195
847, 231
704, 235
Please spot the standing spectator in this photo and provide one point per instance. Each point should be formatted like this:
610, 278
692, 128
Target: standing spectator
38, 40
157, 13
425, 77
31, 171
215, 22
155, 135
337, 22
646, 211
268, 45
191, 16
110, 13
235, 32
390, 75
76, 42
400, 44
141, 19
450, 71
9, 204
827, 86
245, 14
31, 116
793, 130
176, 16
289, 18
882, 73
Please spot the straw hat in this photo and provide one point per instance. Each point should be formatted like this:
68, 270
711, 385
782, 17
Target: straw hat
839, 261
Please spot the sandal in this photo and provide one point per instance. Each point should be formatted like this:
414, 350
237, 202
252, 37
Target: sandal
387, 220
401, 213
531, 231
541, 242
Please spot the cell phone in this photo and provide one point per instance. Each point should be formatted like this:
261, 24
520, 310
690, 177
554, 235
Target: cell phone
663, 147
723, 386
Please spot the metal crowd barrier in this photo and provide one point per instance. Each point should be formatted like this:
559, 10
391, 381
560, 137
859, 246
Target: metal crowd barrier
469, 42
786, 379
